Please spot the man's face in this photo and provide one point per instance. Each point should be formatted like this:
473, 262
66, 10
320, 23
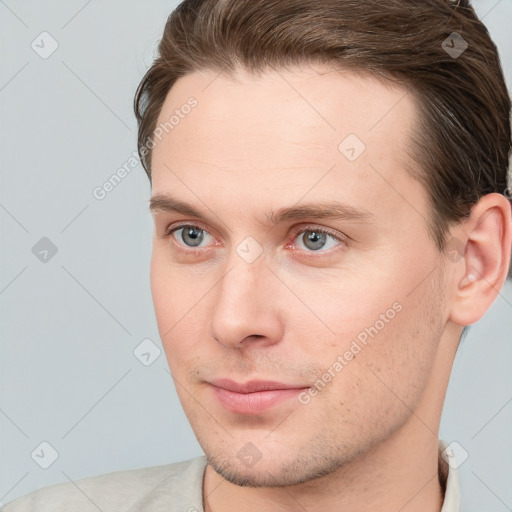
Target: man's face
347, 309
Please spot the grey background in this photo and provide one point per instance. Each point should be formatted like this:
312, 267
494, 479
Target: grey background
69, 325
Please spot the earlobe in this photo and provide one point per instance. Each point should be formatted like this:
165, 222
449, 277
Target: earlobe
484, 260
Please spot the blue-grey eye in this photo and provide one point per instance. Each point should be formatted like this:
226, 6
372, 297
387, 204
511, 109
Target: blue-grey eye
314, 240
190, 235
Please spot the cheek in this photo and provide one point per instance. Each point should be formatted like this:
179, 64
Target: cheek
164, 301
179, 302
348, 309
379, 340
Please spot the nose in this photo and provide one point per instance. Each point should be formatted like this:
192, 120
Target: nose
246, 309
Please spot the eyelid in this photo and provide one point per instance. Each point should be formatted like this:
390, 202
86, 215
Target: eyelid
178, 225
321, 229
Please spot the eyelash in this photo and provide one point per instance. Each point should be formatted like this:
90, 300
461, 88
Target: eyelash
295, 233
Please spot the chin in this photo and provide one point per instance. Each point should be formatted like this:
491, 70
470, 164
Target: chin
278, 472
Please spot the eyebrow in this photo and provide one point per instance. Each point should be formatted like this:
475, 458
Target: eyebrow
329, 209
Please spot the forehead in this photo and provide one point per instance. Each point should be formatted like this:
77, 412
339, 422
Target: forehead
293, 113
285, 128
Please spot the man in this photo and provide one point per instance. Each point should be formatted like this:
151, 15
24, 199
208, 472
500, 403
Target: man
329, 191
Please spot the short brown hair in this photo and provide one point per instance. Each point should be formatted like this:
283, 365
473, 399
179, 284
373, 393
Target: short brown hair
462, 139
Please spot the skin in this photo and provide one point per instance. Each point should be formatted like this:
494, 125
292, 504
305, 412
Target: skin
256, 144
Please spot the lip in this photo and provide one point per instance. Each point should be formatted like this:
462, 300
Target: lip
252, 397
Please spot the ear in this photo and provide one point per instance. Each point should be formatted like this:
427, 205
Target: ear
480, 249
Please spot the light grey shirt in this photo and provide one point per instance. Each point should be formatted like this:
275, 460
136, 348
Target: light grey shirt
174, 487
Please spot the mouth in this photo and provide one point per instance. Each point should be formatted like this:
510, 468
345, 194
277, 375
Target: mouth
253, 397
